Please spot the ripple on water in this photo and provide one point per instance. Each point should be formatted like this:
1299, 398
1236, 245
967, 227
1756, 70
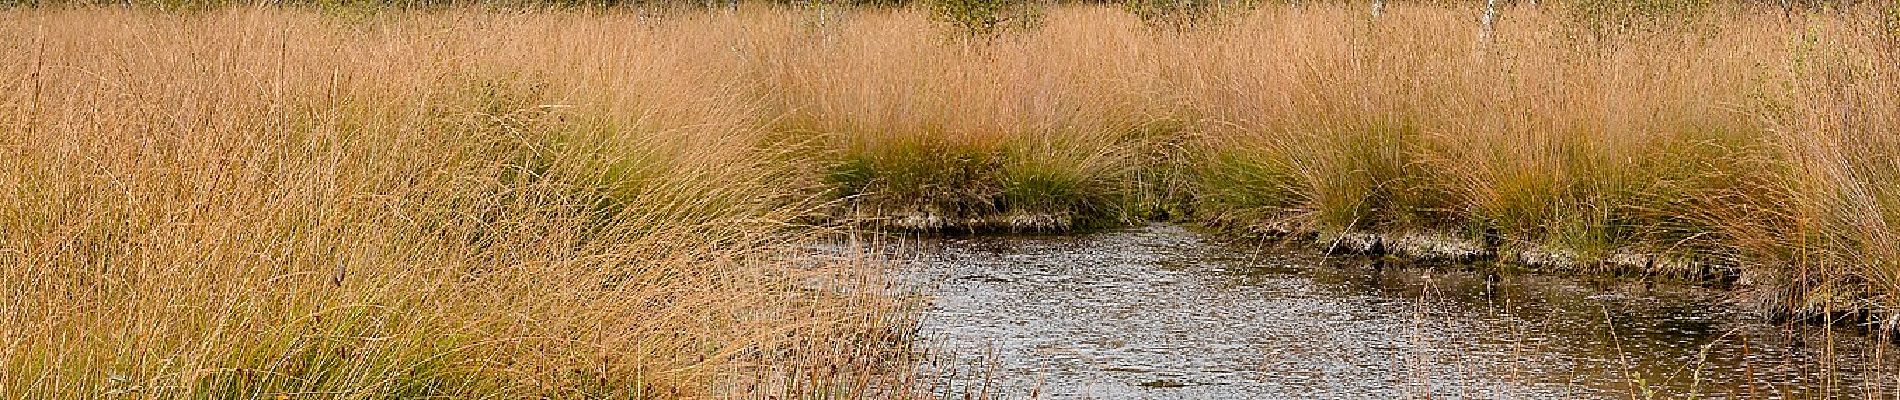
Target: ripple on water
1159, 312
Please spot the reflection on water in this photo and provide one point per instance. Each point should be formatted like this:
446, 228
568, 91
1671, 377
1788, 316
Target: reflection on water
1160, 312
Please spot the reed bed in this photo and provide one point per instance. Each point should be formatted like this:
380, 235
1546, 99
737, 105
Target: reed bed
271, 203
1693, 135
582, 202
1715, 141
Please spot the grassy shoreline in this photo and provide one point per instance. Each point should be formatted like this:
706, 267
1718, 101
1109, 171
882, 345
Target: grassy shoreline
1728, 136
1731, 137
575, 202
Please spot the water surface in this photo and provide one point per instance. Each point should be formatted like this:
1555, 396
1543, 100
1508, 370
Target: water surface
1160, 312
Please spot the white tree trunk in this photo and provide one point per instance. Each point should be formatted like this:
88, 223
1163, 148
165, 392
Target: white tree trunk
1490, 17
1378, 8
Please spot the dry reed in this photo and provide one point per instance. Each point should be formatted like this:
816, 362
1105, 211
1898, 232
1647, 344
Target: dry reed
572, 202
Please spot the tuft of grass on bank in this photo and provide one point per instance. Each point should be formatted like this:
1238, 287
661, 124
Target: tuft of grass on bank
1719, 134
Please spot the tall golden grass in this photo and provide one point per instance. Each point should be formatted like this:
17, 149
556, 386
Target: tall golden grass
251, 203
584, 202
1735, 136
1757, 140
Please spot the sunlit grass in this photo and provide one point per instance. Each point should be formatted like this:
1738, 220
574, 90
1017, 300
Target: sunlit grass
592, 201
251, 203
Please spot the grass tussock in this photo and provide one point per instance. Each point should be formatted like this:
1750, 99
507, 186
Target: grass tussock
261, 202
919, 120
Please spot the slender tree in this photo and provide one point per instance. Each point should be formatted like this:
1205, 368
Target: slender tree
1490, 18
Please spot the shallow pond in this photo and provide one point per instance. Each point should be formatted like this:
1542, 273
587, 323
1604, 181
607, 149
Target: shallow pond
1161, 312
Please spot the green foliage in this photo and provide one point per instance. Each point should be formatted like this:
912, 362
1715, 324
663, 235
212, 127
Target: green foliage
984, 20
352, 353
1160, 171
1890, 21
1246, 186
1605, 19
1371, 179
971, 181
958, 180
1184, 15
1049, 187
1362, 176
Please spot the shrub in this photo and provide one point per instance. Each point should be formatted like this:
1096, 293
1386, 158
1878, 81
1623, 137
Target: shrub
1184, 15
1605, 19
984, 20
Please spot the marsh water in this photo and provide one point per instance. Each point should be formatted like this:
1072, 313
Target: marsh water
1160, 312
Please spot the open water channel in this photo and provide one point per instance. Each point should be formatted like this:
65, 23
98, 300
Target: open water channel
1160, 312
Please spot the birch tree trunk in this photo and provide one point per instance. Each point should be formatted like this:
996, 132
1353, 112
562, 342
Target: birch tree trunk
1378, 8
1490, 17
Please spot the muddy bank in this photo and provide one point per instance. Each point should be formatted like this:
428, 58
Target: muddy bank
1752, 290
1440, 248
1405, 247
1161, 312
927, 220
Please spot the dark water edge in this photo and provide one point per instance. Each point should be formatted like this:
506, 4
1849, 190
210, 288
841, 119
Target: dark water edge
1162, 312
